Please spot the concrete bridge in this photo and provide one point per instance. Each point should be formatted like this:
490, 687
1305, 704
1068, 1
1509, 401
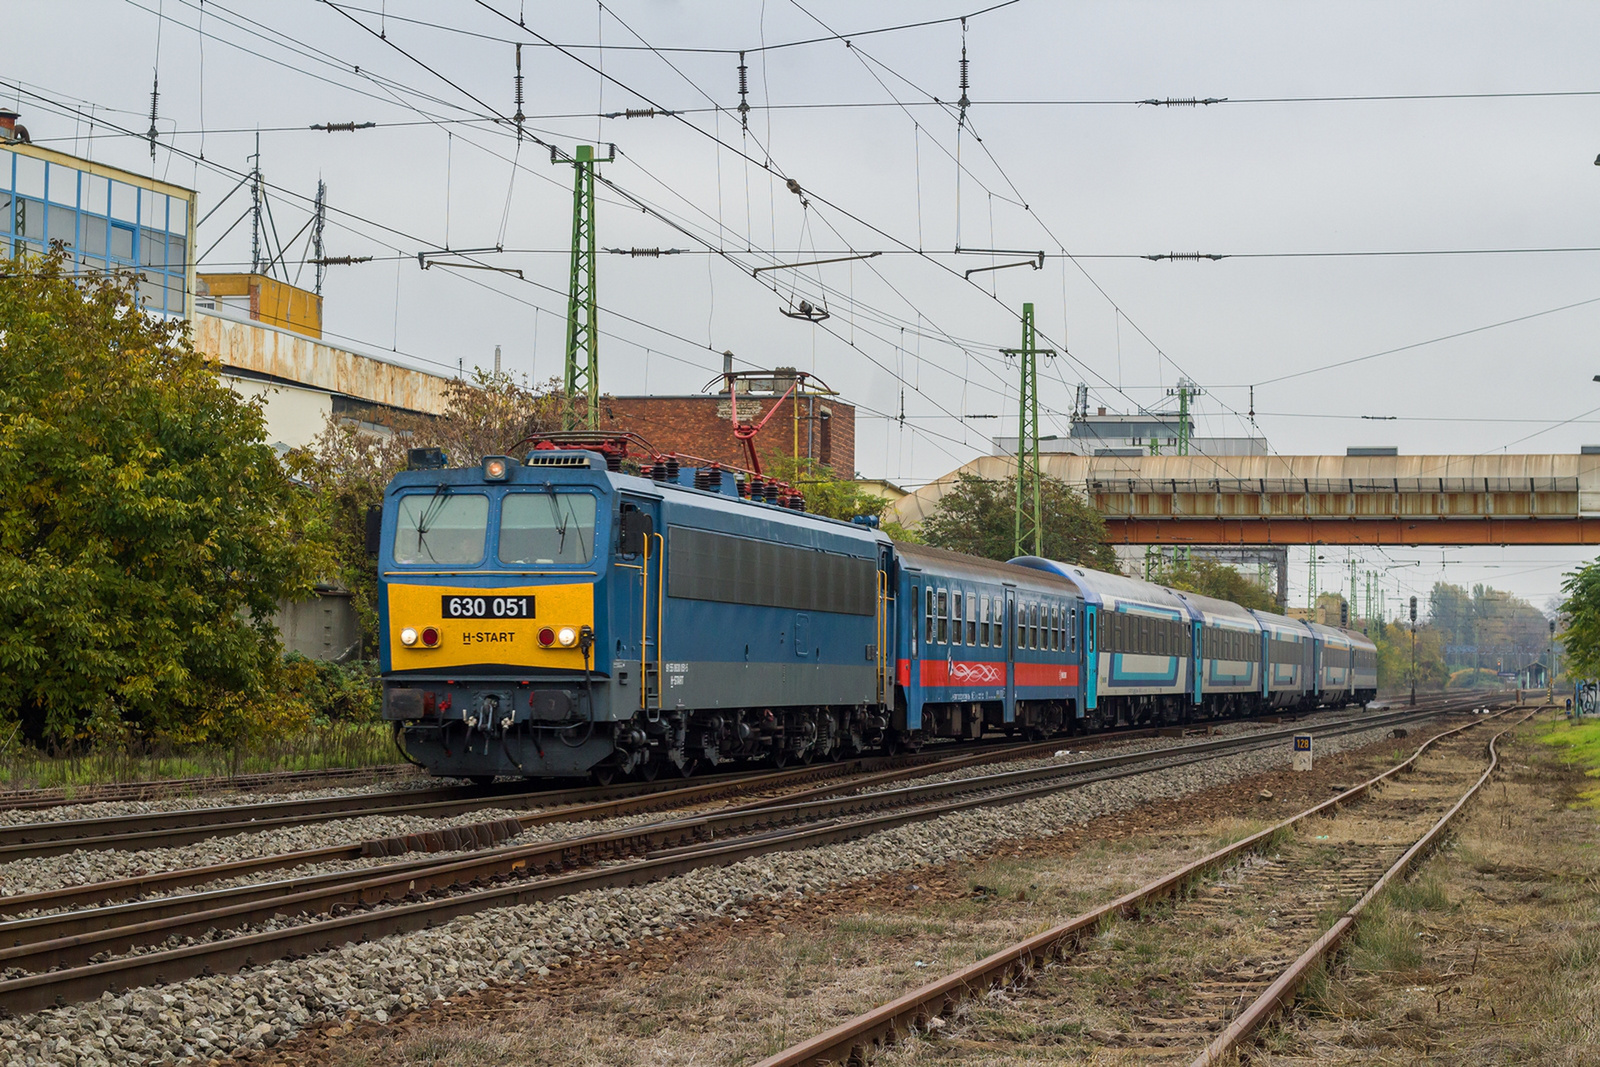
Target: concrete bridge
1331, 500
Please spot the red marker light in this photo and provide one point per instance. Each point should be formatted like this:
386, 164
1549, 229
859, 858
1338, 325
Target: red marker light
547, 637
430, 636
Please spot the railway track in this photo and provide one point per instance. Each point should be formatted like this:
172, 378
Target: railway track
171, 828
164, 788
1278, 905
85, 946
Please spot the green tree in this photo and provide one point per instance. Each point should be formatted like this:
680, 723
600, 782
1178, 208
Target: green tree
825, 493
147, 532
1581, 612
1394, 657
1212, 578
349, 465
978, 516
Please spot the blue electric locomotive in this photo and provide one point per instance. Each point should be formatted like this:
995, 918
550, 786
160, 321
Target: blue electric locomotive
556, 617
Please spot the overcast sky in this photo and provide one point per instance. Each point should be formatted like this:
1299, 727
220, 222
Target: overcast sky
1051, 126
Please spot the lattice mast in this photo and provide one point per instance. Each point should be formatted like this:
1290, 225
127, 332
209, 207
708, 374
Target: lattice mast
582, 377
1029, 511
1185, 390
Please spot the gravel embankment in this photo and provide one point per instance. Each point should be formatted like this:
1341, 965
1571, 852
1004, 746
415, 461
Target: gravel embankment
207, 1017
84, 866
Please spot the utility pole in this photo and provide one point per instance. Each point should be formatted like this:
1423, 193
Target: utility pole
1311, 594
1029, 524
255, 207
1352, 563
583, 328
1550, 665
319, 220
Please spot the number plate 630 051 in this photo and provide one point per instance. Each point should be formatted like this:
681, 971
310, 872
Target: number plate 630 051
487, 607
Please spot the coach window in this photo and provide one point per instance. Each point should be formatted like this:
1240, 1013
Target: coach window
1055, 627
442, 528
942, 613
928, 615
972, 619
955, 618
1033, 626
1072, 632
983, 621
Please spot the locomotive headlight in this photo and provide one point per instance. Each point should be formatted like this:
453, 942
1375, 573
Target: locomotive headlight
496, 468
567, 636
408, 636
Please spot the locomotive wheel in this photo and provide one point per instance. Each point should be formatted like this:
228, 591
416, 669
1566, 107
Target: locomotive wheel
688, 767
780, 756
648, 770
603, 775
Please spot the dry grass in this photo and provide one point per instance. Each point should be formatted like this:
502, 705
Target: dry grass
1491, 955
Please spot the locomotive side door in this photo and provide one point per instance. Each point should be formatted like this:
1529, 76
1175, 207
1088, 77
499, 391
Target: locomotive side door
639, 589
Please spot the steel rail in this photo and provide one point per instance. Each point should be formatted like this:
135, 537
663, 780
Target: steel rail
170, 828
786, 808
700, 791
167, 828
518, 863
157, 788
114, 890
1280, 994
854, 1041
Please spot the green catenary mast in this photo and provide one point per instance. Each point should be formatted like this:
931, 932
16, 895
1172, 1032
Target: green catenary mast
1030, 525
583, 327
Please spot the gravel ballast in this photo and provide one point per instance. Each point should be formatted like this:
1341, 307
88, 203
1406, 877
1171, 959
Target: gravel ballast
206, 1017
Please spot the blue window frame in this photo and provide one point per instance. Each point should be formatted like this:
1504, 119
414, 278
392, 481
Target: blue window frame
106, 223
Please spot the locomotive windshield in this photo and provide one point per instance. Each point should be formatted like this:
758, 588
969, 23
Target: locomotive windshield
443, 527
547, 528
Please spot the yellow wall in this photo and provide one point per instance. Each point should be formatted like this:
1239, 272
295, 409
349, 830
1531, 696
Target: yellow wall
271, 301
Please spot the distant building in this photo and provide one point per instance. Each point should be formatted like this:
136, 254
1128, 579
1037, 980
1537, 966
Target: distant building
107, 218
265, 299
812, 426
1101, 434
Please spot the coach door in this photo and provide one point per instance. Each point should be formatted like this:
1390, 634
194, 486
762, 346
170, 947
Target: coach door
1010, 636
884, 646
1091, 657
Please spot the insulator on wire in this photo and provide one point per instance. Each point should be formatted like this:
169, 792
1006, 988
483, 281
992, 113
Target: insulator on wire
965, 80
517, 94
744, 93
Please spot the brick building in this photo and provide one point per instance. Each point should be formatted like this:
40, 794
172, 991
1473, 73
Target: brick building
701, 425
